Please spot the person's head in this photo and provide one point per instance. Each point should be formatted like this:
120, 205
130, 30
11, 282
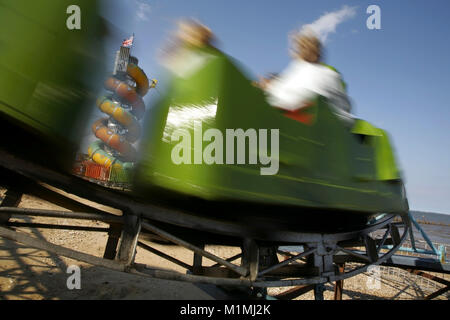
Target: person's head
194, 33
189, 33
306, 46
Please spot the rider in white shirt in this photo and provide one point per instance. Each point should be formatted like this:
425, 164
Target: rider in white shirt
306, 77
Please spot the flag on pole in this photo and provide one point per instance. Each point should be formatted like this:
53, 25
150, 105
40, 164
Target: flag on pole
128, 42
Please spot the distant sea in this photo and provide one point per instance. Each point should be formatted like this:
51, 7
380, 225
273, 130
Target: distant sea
435, 225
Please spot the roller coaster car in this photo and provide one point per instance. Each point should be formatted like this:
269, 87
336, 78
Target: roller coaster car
48, 77
327, 168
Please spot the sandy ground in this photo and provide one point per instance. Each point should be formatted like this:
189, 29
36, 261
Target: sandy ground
27, 273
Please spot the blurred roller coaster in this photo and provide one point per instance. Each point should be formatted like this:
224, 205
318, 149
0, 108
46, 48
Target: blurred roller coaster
273, 252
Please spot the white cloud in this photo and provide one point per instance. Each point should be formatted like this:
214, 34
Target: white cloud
143, 10
328, 22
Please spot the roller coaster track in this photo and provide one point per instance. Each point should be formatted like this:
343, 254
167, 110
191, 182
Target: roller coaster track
315, 264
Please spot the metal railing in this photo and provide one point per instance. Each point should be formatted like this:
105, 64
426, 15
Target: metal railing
422, 248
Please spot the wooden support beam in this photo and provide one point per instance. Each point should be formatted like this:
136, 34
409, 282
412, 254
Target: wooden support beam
129, 239
166, 256
395, 235
437, 293
318, 291
433, 278
11, 199
339, 285
240, 270
59, 250
197, 261
429, 276
250, 258
55, 226
114, 233
294, 292
60, 199
371, 248
104, 217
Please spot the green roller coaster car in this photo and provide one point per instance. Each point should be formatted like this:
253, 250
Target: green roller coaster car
323, 163
48, 76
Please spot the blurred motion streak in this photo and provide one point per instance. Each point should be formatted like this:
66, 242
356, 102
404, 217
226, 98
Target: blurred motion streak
47, 77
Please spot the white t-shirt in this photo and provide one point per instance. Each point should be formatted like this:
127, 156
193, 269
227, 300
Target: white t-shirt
302, 81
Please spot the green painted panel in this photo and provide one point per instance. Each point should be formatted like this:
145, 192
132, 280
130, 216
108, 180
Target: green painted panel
48, 73
322, 164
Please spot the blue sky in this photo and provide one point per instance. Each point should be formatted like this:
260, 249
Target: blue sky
398, 77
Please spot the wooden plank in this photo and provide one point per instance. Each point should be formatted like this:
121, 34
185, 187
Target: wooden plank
371, 248
129, 239
185, 244
429, 276
395, 235
59, 250
11, 199
437, 293
60, 199
339, 285
55, 226
113, 240
197, 262
167, 257
294, 292
250, 258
